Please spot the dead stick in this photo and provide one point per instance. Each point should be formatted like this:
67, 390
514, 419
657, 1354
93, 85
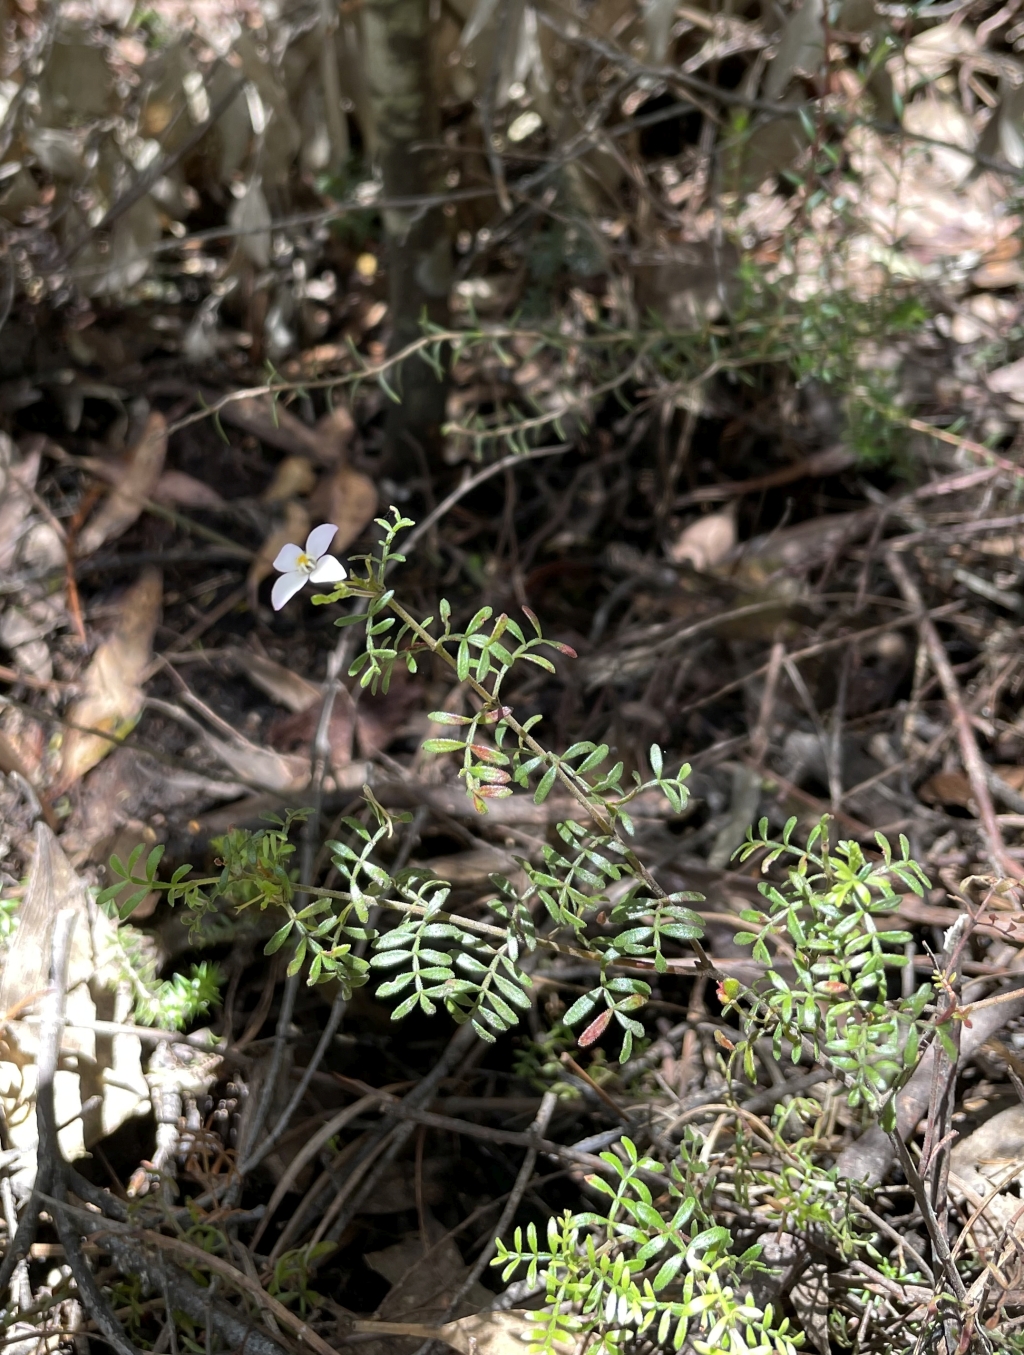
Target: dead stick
538, 1129
47, 1153
50, 1158
974, 763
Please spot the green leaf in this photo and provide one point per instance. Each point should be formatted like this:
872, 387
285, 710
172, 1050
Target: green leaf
442, 745
540, 661
594, 760
582, 1007
278, 939
295, 964
546, 782
131, 903
668, 1272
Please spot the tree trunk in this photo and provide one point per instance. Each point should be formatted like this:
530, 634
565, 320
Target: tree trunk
397, 34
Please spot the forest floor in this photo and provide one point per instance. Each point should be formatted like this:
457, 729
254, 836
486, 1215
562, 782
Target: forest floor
760, 474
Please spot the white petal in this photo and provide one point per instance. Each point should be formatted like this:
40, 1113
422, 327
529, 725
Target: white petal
286, 587
287, 557
320, 539
328, 570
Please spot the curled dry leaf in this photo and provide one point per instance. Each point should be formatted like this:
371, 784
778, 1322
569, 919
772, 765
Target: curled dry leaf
799, 548
295, 733
262, 767
185, 491
953, 788
422, 1287
335, 431
112, 698
380, 716
706, 542
294, 478
137, 479
348, 498
278, 427
288, 689
295, 527
250, 217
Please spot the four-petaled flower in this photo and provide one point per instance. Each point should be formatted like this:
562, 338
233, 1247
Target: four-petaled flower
299, 566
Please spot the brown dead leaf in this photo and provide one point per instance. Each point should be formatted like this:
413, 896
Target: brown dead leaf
185, 491
348, 498
294, 478
24, 631
26, 741
798, 548
288, 689
397, 1192
112, 698
129, 785
262, 767
472, 867
946, 788
422, 1286
295, 733
136, 481
931, 53
12, 761
380, 715
706, 542
497, 1333
999, 545
295, 527
953, 788
999, 274
52, 885
335, 431
278, 427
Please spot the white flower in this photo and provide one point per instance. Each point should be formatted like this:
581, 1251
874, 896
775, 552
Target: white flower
312, 565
